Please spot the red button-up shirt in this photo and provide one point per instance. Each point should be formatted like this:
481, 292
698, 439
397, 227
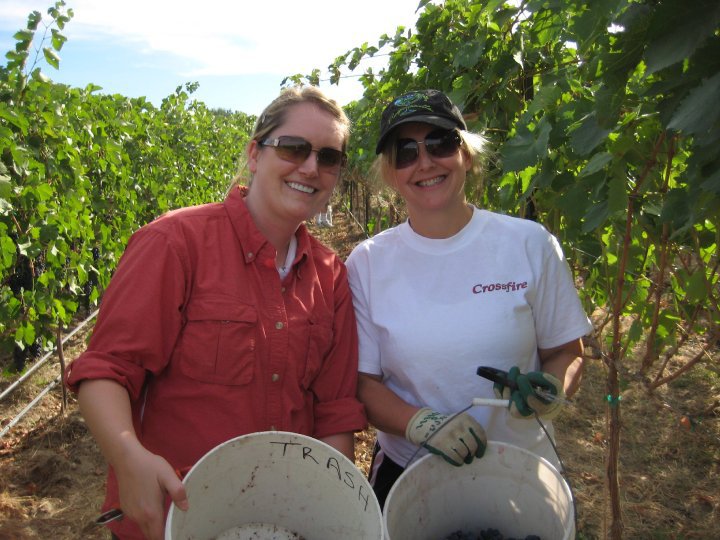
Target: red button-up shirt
210, 344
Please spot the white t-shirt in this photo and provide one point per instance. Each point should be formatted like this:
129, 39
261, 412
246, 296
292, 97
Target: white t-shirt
430, 311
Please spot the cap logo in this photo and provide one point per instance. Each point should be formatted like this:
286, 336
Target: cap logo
410, 104
430, 107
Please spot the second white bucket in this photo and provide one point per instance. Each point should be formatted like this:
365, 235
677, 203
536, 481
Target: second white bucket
509, 489
276, 479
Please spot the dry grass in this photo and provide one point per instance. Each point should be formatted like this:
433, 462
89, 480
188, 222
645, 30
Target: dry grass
669, 471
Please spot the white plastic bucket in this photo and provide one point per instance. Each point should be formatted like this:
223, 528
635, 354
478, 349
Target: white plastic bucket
509, 489
276, 478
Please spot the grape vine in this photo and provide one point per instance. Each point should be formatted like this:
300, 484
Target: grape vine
80, 171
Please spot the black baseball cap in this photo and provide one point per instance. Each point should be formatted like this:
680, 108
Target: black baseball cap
426, 106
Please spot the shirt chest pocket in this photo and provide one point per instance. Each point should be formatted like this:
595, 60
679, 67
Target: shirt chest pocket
218, 341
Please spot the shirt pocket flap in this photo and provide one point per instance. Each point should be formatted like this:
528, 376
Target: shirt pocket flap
214, 310
217, 345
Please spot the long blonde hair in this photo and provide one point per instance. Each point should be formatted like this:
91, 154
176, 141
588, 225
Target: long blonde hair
275, 114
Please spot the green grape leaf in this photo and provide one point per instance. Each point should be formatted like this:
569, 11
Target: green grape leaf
51, 57
695, 288
712, 184
677, 29
699, 110
596, 163
525, 149
617, 194
7, 251
585, 138
595, 217
5, 186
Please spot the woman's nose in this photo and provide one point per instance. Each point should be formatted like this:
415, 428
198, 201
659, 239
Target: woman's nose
310, 165
424, 157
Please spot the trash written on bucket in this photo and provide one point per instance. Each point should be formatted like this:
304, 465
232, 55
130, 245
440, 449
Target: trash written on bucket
277, 485
334, 465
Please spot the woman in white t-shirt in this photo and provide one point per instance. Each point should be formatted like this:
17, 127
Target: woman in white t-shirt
451, 289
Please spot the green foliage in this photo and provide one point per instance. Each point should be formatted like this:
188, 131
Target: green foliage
605, 123
80, 171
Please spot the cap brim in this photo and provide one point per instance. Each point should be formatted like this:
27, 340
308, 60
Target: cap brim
431, 119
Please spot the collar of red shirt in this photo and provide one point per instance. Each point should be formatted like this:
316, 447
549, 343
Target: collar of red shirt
250, 238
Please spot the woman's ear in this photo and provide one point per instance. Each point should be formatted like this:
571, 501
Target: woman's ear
467, 159
253, 152
390, 179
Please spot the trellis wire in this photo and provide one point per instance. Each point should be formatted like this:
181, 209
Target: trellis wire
31, 370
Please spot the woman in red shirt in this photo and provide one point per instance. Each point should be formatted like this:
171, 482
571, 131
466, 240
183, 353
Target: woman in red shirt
226, 319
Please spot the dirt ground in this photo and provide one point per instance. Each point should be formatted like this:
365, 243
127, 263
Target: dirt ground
52, 475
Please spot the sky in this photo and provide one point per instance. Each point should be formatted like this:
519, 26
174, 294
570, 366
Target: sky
239, 51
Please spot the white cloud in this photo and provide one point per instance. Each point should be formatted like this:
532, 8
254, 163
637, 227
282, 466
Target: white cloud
239, 51
231, 37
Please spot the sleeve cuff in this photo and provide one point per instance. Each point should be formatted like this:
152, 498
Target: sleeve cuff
340, 416
102, 366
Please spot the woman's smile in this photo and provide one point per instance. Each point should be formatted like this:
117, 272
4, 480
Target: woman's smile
301, 187
431, 181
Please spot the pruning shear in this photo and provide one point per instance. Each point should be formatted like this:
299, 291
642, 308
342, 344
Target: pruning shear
497, 376
110, 515
501, 377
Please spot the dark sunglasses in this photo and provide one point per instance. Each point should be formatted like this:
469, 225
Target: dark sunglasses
439, 143
296, 150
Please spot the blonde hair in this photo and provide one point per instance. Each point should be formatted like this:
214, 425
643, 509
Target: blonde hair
275, 115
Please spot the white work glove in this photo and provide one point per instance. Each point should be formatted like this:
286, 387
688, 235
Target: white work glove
457, 440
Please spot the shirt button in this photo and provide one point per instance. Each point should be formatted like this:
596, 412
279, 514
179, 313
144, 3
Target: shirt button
275, 377
282, 289
272, 428
251, 255
279, 325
